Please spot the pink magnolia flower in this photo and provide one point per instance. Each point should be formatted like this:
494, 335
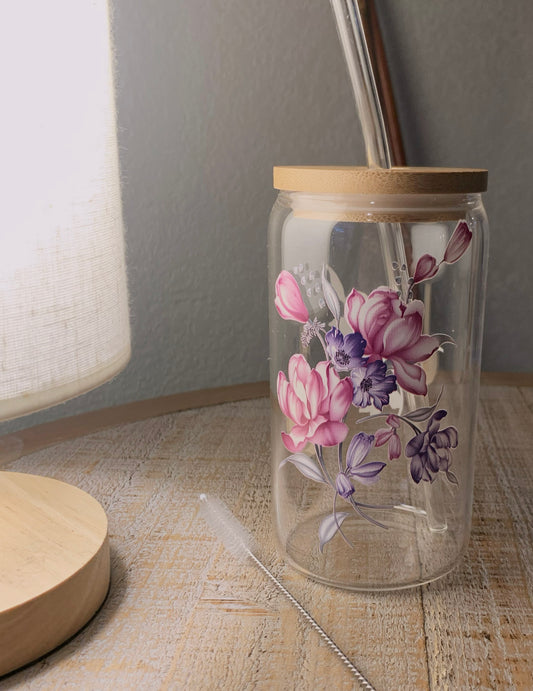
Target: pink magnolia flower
393, 331
288, 300
458, 243
316, 400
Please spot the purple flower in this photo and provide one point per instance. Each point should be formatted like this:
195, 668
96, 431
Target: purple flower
430, 451
343, 486
365, 473
346, 352
372, 384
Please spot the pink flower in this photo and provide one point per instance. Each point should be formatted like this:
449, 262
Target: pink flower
393, 331
426, 267
316, 400
390, 435
288, 300
458, 243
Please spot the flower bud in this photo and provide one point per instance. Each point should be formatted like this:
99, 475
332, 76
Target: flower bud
288, 300
395, 447
383, 435
343, 486
458, 243
426, 267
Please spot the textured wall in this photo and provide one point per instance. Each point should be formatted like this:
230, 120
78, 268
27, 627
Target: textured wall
211, 95
464, 84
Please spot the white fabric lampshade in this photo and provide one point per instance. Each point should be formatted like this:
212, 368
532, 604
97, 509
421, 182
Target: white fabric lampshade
64, 325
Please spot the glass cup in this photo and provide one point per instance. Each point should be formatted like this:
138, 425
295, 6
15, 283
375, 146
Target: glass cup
377, 284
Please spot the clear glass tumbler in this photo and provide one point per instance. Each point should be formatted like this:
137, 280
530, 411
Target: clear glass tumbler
377, 282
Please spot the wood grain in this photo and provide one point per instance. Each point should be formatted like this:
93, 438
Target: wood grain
362, 180
54, 568
26, 441
182, 614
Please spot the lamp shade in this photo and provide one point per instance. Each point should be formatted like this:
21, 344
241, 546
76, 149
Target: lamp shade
64, 325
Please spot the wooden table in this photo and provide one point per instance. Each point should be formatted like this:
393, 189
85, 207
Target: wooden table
183, 614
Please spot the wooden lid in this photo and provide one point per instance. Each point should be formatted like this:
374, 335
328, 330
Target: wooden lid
360, 180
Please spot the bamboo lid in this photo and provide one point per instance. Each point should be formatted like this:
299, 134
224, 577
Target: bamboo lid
362, 180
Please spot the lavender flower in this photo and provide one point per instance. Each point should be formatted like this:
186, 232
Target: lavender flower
365, 473
430, 451
372, 384
346, 352
343, 486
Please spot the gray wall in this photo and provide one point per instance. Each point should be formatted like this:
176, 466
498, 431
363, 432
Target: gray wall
212, 94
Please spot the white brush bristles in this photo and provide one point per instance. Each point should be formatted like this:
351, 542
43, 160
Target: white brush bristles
223, 523
240, 543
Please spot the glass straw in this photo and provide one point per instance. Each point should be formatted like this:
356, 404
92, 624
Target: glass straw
356, 54
357, 57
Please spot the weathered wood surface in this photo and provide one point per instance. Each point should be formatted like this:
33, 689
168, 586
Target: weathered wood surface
182, 614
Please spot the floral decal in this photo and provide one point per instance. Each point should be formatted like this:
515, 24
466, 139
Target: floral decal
430, 450
362, 368
317, 401
289, 301
389, 436
393, 331
372, 384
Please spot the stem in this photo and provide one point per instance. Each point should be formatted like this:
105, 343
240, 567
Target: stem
396, 507
337, 522
415, 429
323, 342
377, 506
363, 515
340, 457
320, 458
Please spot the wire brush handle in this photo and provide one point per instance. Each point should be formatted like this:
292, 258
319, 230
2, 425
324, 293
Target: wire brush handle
239, 542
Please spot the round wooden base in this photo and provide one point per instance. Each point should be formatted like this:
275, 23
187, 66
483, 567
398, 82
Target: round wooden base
54, 565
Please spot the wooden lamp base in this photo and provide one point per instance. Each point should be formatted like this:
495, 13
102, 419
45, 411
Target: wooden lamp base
54, 565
